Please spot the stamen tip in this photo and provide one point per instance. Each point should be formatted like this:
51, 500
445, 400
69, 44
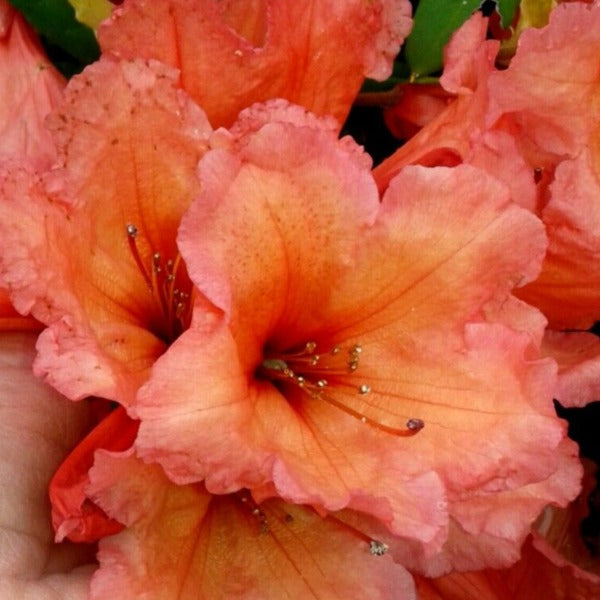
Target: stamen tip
415, 425
378, 548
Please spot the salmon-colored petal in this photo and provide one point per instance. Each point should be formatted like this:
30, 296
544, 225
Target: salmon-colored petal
578, 358
418, 105
30, 87
289, 200
315, 54
568, 289
486, 528
78, 242
182, 541
73, 515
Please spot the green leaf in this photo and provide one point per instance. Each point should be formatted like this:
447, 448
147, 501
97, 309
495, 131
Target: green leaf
434, 22
55, 21
507, 9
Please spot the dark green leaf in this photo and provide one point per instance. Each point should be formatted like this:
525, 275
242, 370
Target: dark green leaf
434, 22
507, 9
55, 21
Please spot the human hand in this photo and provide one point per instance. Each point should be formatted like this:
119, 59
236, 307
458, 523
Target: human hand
37, 429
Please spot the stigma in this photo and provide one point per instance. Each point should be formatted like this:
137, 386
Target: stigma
331, 377
169, 285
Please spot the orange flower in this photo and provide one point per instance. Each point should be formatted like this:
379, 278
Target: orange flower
232, 54
341, 324
86, 246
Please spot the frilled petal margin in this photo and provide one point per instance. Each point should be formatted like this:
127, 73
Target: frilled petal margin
77, 243
343, 324
182, 541
313, 53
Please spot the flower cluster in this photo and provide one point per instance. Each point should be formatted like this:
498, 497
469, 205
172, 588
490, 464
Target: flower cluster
296, 375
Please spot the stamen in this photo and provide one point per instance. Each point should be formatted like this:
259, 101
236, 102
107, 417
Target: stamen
161, 280
415, 424
305, 368
376, 548
248, 502
132, 232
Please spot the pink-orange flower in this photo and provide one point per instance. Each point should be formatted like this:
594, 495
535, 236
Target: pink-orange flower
342, 324
232, 54
181, 541
540, 574
86, 246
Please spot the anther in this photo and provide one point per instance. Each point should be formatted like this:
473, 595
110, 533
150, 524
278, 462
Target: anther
132, 230
415, 424
378, 548
364, 389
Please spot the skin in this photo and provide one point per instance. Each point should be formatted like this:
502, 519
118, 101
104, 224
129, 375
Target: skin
37, 429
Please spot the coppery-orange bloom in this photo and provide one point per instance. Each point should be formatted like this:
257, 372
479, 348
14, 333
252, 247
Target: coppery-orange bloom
232, 54
339, 323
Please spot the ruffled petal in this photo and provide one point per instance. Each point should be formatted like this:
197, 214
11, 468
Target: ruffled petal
78, 242
73, 515
315, 54
183, 541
